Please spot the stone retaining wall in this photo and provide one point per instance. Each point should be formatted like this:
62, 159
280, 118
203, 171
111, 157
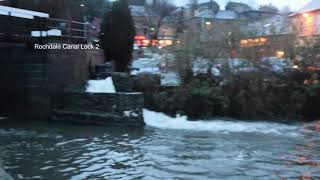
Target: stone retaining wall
101, 108
128, 83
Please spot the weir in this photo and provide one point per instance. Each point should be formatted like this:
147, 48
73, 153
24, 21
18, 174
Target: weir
97, 102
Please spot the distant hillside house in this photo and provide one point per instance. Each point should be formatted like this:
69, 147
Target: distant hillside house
307, 19
209, 12
143, 18
146, 21
208, 16
268, 37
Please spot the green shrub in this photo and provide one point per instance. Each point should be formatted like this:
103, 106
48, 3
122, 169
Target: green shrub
246, 95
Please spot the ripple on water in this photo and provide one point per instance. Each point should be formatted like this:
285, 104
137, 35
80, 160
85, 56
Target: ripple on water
161, 153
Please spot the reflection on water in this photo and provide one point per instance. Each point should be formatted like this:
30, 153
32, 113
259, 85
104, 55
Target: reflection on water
42, 151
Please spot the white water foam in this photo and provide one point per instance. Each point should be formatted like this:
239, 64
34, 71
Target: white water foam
162, 121
101, 86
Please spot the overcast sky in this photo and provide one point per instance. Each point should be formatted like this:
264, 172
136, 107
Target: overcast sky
293, 4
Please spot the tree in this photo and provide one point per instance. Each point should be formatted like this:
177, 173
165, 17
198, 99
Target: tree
118, 35
309, 52
162, 9
269, 8
193, 6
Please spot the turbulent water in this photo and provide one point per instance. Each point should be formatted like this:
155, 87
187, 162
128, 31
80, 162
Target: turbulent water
165, 149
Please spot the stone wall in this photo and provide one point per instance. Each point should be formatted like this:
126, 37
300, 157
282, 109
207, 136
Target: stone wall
103, 102
129, 83
123, 109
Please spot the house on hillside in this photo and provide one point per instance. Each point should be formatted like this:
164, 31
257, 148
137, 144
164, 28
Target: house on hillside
144, 19
238, 27
209, 21
146, 22
307, 19
268, 37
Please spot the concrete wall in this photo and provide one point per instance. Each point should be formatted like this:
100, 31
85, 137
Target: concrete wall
72, 66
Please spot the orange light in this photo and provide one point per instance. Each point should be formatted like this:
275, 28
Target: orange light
145, 42
139, 37
244, 41
263, 40
305, 15
280, 54
168, 42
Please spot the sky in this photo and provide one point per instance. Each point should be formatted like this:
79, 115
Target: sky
293, 4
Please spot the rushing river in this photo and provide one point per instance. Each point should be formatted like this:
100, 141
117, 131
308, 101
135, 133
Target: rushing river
165, 149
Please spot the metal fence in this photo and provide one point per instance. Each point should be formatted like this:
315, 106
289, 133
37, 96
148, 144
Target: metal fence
41, 28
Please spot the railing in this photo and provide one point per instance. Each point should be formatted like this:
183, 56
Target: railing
16, 26
71, 30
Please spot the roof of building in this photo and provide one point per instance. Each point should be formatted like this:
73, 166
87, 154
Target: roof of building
21, 13
205, 13
140, 11
209, 14
276, 25
227, 15
313, 5
208, 3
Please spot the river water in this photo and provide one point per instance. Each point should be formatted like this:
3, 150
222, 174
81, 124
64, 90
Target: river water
165, 149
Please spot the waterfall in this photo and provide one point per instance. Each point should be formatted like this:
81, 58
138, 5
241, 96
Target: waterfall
162, 121
101, 86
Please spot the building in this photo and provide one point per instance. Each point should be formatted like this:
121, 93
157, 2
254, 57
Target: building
307, 19
209, 15
146, 22
268, 37
240, 31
